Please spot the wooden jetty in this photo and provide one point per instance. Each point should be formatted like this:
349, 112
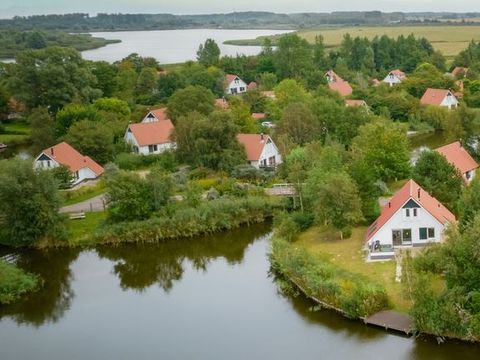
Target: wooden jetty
391, 320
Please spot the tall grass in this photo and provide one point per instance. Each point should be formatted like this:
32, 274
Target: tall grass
349, 293
184, 222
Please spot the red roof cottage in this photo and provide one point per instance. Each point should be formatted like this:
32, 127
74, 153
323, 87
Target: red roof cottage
439, 97
458, 156
82, 167
260, 149
411, 218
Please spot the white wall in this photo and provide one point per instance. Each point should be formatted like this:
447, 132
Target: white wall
238, 85
81, 175
399, 221
270, 150
392, 79
144, 150
450, 101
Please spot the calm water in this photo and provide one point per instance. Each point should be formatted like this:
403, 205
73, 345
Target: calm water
208, 298
173, 46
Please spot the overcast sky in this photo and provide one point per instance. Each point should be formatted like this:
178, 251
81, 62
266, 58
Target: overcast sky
9, 8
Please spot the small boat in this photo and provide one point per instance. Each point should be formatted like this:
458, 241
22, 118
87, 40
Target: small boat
2, 146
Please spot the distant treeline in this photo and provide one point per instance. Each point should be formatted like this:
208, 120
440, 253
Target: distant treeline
102, 21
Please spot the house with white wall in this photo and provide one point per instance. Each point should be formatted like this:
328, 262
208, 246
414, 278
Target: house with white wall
394, 77
81, 167
260, 149
152, 135
439, 97
337, 84
234, 85
459, 157
411, 218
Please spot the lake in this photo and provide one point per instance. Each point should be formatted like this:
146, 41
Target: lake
173, 46
206, 298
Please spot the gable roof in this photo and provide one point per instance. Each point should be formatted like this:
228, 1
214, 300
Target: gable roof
259, 116
456, 155
67, 156
152, 133
334, 76
398, 73
252, 86
254, 144
342, 87
355, 102
434, 96
229, 78
411, 190
458, 70
160, 113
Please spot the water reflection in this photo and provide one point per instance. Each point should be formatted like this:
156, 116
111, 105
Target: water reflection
141, 266
55, 296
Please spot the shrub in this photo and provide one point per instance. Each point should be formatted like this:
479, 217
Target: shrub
14, 282
129, 161
303, 220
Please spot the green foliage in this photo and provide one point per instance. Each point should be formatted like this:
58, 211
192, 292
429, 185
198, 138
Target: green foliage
438, 177
52, 77
63, 175
206, 218
469, 204
384, 147
92, 138
29, 204
293, 57
241, 116
14, 283
129, 161
208, 53
286, 228
192, 98
298, 125
426, 76
208, 142
43, 129
71, 114
251, 174
111, 105
319, 278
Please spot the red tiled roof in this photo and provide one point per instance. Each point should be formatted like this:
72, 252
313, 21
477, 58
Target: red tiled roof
252, 86
434, 96
160, 114
221, 103
355, 102
342, 87
456, 155
411, 190
458, 70
229, 78
258, 116
152, 133
254, 144
67, 156
334, 76
398, 73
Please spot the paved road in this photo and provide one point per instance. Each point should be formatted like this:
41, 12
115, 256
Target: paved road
93, 204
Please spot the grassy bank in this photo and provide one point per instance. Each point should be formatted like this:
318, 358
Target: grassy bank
71, 197
14, 133
182, 222
14, 283
321, 277
450, 40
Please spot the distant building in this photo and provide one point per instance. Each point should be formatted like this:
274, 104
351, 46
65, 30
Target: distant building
221, 104
337, 84
234, 85
376, 82
332, 76
261, 150
152, 135
259, 116
394, 77
350, 103
459, 71
268, 94
81, 167
411, 218
439, 97
252, 86
459, 157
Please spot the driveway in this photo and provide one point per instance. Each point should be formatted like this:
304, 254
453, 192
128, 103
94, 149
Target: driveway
96, 203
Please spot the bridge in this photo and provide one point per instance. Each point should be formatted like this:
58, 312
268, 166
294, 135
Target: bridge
284, 189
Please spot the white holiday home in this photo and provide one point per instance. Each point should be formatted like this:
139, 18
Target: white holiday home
439, 97
152, 135
261, 150
81, 167
394, 77
234, 85
411, 218
459, 157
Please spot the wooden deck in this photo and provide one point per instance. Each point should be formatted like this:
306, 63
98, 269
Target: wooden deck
391, 320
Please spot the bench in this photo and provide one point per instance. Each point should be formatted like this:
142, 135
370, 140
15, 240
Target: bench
77, 216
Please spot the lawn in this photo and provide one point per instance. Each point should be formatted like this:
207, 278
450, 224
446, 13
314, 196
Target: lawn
450, 40
80, 230
15, 132
348, 254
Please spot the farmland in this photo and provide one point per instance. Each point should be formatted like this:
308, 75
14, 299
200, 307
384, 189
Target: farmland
450, 40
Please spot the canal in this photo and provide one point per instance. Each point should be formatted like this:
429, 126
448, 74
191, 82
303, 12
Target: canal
207, 298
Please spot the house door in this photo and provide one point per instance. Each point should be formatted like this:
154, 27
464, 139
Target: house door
397, 237
402, 237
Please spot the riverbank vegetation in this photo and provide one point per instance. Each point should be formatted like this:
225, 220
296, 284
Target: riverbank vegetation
12, 41
14, 283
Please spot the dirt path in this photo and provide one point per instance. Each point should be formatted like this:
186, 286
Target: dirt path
96, 203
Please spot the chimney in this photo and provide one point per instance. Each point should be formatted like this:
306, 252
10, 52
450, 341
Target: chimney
389, 204
262, 137
51, 151
418, 193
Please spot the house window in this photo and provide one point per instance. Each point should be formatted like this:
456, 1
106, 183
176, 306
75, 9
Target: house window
468, 175
415, 212
242, 88
427, 233
407, 212
48, 163
152, 148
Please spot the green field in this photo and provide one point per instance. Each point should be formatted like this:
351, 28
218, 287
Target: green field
450, 40
15, 132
